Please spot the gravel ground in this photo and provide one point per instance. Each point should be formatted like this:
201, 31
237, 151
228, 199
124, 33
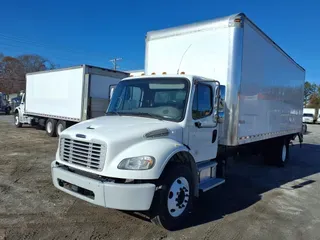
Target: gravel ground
257, 201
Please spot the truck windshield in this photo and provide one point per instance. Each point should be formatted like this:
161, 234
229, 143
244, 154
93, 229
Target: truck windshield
162, 98
308, 115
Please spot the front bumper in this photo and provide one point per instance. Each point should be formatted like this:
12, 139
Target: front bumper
307, 120
136, 197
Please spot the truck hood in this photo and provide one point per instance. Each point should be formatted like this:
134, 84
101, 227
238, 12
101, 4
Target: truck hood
120, 128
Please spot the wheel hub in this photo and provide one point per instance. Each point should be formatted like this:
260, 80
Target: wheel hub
181, 197
178, 197
284, 153
49, 127
60, 127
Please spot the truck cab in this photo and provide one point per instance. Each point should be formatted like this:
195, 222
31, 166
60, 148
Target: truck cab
19, 111
4, 103
154, 144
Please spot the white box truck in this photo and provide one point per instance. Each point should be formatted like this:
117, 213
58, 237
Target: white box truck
210, 89
59, 98
311, 115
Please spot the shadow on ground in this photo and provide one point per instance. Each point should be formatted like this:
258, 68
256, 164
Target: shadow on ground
249, 178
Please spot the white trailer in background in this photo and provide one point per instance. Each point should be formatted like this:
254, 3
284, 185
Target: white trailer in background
60, 98
210, 90
311, 115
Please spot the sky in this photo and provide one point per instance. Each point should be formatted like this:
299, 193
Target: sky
93, 32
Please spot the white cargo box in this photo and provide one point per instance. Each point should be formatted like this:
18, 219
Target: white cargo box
263, 85
72, 94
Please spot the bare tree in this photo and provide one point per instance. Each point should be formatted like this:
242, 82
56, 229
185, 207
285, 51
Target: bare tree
11, 75
13, 70
35, 63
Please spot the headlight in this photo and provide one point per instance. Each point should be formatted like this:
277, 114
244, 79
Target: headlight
137, 163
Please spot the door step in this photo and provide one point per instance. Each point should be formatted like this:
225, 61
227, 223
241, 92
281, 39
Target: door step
210, 183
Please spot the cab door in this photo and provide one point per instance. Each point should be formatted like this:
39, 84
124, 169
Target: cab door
203, 139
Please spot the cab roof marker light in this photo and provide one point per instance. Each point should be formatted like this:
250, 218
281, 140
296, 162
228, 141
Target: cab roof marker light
164, 73
182, 72
153, 73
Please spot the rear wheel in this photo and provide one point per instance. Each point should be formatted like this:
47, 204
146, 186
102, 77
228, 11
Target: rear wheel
174, 199
279, 152
51, 127
283, 152
61, 125
17, 122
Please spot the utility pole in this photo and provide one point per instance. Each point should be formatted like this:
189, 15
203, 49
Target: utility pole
114, 62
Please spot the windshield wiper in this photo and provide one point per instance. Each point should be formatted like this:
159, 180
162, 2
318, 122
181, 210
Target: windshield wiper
112, 113
143, 114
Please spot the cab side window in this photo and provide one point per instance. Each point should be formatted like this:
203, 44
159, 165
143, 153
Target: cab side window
202, 101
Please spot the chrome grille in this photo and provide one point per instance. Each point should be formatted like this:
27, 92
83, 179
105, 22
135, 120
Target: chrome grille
85, 154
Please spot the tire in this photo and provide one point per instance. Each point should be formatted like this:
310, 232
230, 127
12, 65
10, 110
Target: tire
279, 153
61, 125
51, 127
172, 202
17, 122
283, 153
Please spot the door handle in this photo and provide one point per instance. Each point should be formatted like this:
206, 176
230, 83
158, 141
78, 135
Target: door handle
197, 124
214, 135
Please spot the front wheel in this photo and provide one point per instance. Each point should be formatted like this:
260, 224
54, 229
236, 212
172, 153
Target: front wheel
174, 198
17, 122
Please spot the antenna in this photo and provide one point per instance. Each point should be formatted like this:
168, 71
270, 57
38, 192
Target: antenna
183, 57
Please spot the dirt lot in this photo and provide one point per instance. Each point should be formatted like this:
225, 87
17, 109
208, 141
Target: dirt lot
257, 202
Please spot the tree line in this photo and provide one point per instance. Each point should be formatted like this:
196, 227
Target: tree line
13, 70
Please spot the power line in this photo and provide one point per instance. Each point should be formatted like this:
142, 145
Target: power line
55, 49
46, 46
54, 56
114, 62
